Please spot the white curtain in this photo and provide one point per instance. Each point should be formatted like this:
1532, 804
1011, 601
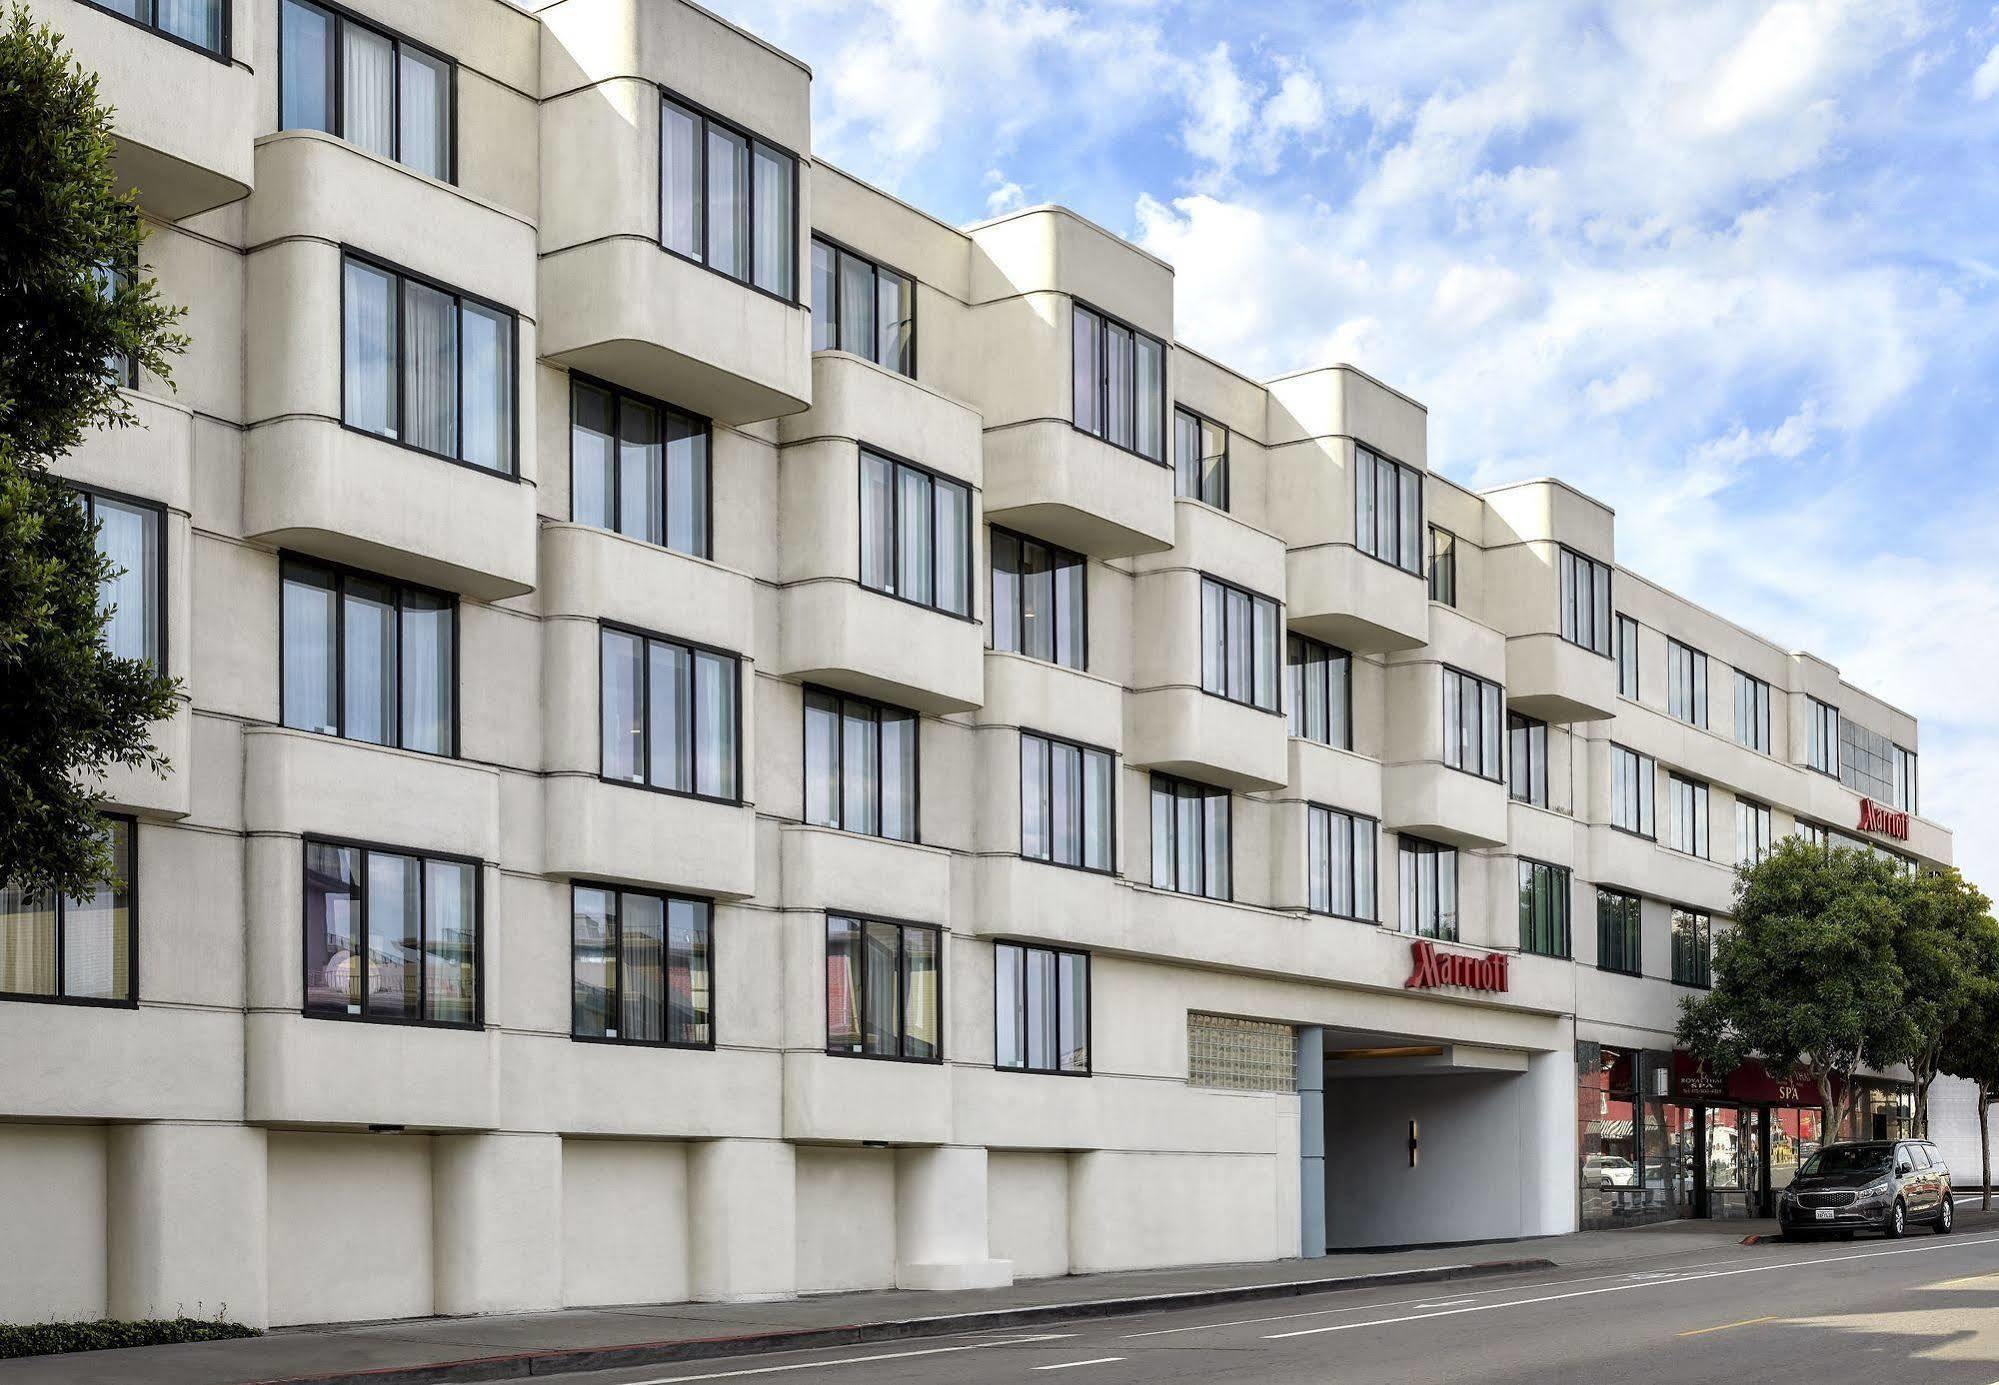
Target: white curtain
430, 370
27, 943
426, 114
197, 21
369, 349
775, 228
129, 536
488, 366
367, 87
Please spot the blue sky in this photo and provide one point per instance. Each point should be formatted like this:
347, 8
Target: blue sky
1730, 267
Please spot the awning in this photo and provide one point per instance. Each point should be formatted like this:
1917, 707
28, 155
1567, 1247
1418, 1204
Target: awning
1751, 1083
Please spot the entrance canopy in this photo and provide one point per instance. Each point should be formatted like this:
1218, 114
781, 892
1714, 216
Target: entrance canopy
1752, 1084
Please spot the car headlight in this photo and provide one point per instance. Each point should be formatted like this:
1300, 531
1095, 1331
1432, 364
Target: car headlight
1878, 1189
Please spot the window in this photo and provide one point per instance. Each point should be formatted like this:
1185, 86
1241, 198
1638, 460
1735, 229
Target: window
1041, 1009
111, 282
1822, 750
670, 715
202, 24
1752, 712
1634, 781
1471, 724
1627, 657
1544, 909
1190, 837
1388, 510
427, 367
1693, 947
642, 967
1321, 707
1686, 683
1689, 822
1527, 751
1752, 831
1429, 889
1200, 458
882, 989
1619, 931
1340, 854
1068, 803
132, 534
390, 935
1443, 566
76, 948
1238, 644
727, 199
862, 307
1119, 384
368, 659
376, 90
860, 765
1586, 602
1039, 607
1873, 765
916, 534
639, 467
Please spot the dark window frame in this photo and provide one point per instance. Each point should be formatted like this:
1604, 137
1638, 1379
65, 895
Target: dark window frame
1700, 793
1560, 886
1407, 846
619, 396
1699, 977
60, 903
1752, 808
893, 538
1646, 770
1816, 712
841, 699
903, 927
1102, 404
1443, 566
1170, 783
841, 250
1627, 653
1570, 564
1535, 767
472, 1026
1297, 707
1089, 1009
1762, 738
1355, 821
650, 638
1228, 438
1375, 454
666, 898
1084, 750
1696, 691
1278, 655
707, 117
1630, 948
1058, 557
1497, 775
221, 55
342, 16
90, 494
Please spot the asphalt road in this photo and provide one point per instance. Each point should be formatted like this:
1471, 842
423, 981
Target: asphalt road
1920, 1310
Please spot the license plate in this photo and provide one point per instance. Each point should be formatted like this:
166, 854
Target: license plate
1824, 1214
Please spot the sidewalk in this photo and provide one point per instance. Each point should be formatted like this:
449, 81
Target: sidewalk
516, 1346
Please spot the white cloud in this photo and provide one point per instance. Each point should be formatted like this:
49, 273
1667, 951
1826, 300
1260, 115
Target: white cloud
1005, 195
1985, 81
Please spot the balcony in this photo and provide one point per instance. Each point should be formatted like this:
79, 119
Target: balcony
590, 574
841, 635
1338, 594
1555, 681
854, 400
1184, 731
1039, 902
1039, 696
1429, 799
1049, 479
828, 869
300, 782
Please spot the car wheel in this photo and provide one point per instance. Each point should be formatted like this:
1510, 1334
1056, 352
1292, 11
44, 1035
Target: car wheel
1946, 1217
1898, 1222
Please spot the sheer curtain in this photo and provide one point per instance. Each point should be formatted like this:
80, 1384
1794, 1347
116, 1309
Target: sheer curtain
369, 614
425, 114
642, 941
96, 956
487, 368
728, 202
450, 942
27, 943
592, 466
369, 349
129, 535
430, 368
368, 75
197, 21
305, 66
775, 228
426, 673
715, 718
310, 697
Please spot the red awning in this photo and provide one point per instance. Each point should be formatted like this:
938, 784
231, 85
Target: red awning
1750, 1083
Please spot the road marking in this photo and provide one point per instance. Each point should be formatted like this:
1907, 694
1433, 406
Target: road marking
1746, 1322
1093, 1361
852, 1360
1444, 1303
1620, 1288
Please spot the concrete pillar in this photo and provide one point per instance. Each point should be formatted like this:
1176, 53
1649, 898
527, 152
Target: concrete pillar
1549, 1170
186, 1225
496, 1223
1312, 1142
742, 1221
940, 1221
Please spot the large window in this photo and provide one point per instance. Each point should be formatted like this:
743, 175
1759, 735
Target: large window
883, 984
391, 935
1627, 657
1752, 712
1752, 831
916, 534
1041, 1009
1190, 837
1873, 765
640, 467
1340, 853
1471, 724
132, 534
860, 765
1119, 384
1200, 458
1693, 947
1443, 566
727, 199
427, 367
1238, 644
368, 659
81, 948
670, 715
1527, 759
1068, 803
1544, 909
1822, 750
642, 967
1586, 602
1620, 931
1429, 893
374, 89
1689, 820
1388, 510
862, 307
202, 24
1039, 600
1686, 683
1321, 707
1634, 780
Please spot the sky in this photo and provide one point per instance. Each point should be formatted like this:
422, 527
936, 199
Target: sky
1729, 267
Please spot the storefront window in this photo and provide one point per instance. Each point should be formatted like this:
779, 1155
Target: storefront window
1795, 1135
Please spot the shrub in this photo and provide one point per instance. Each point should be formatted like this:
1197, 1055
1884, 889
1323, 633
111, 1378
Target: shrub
52, 1338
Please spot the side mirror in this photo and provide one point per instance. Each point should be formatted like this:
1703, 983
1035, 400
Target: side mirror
1904, 1169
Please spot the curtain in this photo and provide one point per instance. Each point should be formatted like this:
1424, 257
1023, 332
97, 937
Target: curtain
898, 775
895, 314
824, 327
425, 123
368, 348
1034, 838
686, 486
1075, 1012
430, 368
822, 760
919, 985
1065, 808
1040, 1008
1007, 1000
954, 526
689, 988
593, 919
368, 75
728, 202
672, 716
129, 535
624, 732
197, 21
368, 610
96, 931
641, 964
913, 532
592, 468
880, 991
715, 720
1099, 796
857, 306
450, 942
775, 226
680, 179
305, 67
27, 943
860, 769
639, 500
487, 387
311, 700
427, 681
877, 561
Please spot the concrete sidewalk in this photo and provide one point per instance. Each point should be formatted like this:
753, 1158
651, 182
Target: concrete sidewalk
425, 1351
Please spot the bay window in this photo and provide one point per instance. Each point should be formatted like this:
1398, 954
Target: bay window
367, 659
78, 948
378, 91
390, 935
202, 24
132, 534
862, 307
1388, 510
916, 534
1041, 1009
1340, 863
1443, 566
860, 765
883, 983
1527, 759
1634, 782
727, 199
1190, 837
1586, 602
1039, 603
1429, 894
1471, 724
1321, 706
1200, 458
1620, 931
1238, 644
1067, 802
1544, 909
642, 967
1118, 384
670, 715
1693, 948
639, 467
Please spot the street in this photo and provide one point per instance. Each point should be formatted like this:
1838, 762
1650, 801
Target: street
1925, 1309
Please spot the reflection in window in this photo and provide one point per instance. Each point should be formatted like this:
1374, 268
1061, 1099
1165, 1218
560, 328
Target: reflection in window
1619, 931
916, 534
1689, 820
1429, 894
1752, 831
1471, 724
669, 715
1686, 683
1340, 856
1627, 657
1200, 458
368, 659
391, 936
1822, 749
1527, 769
1321, 706
1633, 785
74, 947
862, 307
1388, 510
860, 765
1067, 802
726, 199
1443, 566
1752, 712
639, 467
1038, 603
197, 22
1041, 1009
1190, 837
1586, 602
1693, 947
643, 967
130, 534
1544, 909
1119, 384
882, 982
1238, 644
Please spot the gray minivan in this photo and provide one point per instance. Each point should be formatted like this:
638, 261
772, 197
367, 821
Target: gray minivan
1870, 1185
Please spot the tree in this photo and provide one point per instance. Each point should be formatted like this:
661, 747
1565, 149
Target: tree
1807, 977
74, 307
1934, 948
1970, 1048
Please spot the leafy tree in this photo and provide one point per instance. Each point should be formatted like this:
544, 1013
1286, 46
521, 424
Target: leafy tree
1970, 1047
1941, 912
73, 304
1807, 977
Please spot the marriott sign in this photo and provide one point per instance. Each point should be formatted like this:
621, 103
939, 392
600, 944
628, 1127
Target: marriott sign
1874, 817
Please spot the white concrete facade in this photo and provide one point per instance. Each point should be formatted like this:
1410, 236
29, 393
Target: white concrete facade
214, 1143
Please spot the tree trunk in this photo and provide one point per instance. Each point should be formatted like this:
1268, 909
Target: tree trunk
1923, 1104
1985, 1145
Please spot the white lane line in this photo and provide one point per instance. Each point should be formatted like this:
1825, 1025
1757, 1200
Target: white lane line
1621, 1288
1093, 1361
1444, 1303
850, 1360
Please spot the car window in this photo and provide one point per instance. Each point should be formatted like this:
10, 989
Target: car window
1844, 1159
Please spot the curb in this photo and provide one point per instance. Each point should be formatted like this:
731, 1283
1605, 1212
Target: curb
529, 1364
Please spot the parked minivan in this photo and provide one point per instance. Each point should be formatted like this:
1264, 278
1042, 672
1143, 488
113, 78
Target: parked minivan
1872, 1185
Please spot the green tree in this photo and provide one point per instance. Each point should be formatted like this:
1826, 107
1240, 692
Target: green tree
1970, 1047
74, 304
1934, 947
1807, 977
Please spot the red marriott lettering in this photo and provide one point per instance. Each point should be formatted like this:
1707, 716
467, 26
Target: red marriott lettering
1889, 823
1433, 968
